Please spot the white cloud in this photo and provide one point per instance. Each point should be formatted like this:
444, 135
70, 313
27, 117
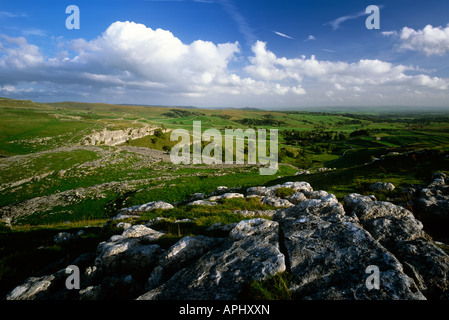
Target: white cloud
339, 86
366, 75
133, 56
430, 40
239, 19
19, 54
131, 63
335, 24
8, 14
311, 37
282, 35
389, 33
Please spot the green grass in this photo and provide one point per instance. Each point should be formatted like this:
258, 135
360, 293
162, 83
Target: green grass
284, 192
45, 162
153, 142
86, 210
274, 288
181, 188
401, 171
21, 129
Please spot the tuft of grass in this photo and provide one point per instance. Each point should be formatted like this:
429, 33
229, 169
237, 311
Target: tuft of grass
273, 288
284, 192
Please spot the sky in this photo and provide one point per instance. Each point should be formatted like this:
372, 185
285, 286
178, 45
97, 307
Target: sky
269, 54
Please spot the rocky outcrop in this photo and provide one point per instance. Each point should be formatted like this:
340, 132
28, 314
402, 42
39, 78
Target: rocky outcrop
251, 252
227, 195
382, 186
116, 137
150, 206
331, 251
397, 230
433, 200
202, 203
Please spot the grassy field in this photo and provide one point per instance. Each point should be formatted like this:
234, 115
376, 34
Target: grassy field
50, 181
41, 153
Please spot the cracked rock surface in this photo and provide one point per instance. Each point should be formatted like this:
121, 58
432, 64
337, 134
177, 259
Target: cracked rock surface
325, 246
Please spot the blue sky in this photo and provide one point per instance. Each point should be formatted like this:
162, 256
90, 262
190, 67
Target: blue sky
227, 53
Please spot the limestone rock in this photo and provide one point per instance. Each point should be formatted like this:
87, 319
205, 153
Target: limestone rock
434, 199
397, 230
271, 191
256, 213
121, 254
138, 231
329, 253
297, 197
227, 195
327, 206
220, 274
186, 250
382, 186
327, 248
155, 279
318, 194
220, 227
62, 238
277, 202
34, 288
202, 203
197, 196
150, 206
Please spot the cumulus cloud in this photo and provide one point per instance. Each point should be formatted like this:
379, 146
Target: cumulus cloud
133, 56
371, 73
132, 61
157, 56
158, 59
19, 54
430, 40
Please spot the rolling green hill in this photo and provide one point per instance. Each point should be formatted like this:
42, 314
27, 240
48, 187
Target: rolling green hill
51, 180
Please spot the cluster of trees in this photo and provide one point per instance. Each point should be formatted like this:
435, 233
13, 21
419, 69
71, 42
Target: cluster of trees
267, 120
179, 113
307, 138
410, 118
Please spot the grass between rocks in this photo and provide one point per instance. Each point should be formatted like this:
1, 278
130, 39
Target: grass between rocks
29, 249
273, 288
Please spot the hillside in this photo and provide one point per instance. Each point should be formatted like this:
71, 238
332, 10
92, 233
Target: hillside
70, 167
